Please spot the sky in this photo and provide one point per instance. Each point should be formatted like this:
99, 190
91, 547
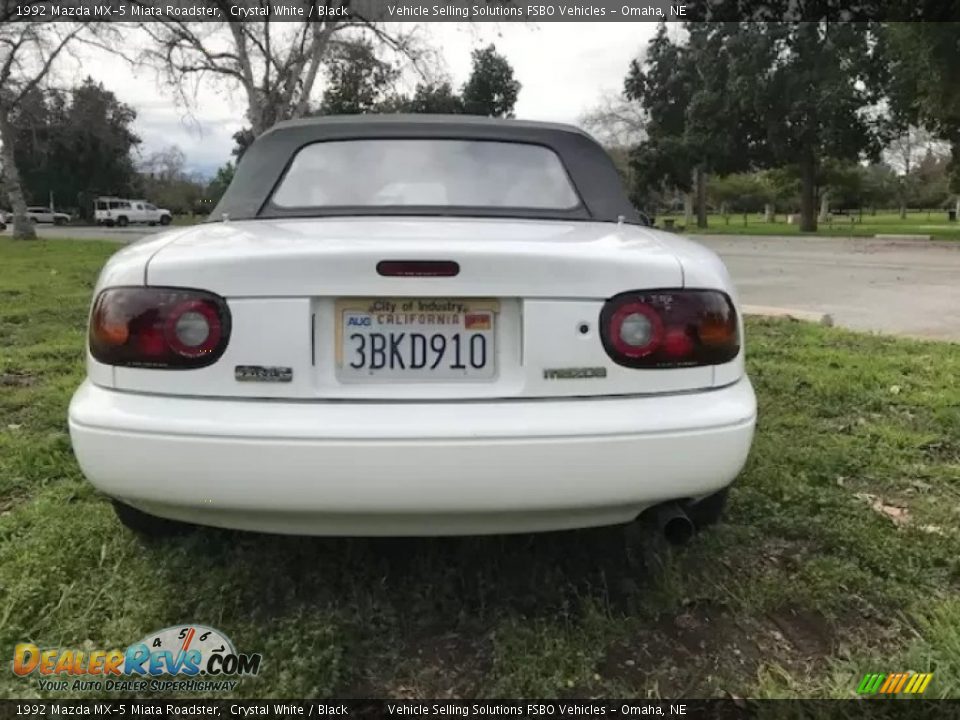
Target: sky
565, 69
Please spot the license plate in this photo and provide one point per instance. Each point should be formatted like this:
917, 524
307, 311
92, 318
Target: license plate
416, 339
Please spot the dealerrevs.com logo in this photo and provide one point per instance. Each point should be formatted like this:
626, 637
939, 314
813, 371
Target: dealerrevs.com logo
189, 658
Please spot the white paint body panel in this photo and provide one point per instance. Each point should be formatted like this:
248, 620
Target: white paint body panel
338, 257
518, 453
340, 468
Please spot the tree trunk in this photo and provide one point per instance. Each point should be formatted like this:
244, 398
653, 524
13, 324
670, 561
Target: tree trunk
700, 183
23, 228
769, 213
687, 209
808, 194
824, 206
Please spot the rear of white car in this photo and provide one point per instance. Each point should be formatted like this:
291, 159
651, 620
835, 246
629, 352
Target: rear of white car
368, 373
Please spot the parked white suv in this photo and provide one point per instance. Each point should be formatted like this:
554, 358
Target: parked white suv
112, 211
39, 214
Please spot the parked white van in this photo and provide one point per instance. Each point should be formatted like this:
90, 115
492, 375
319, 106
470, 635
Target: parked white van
112, 211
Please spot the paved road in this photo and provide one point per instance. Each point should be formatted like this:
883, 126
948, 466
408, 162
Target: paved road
909, 287
127, 234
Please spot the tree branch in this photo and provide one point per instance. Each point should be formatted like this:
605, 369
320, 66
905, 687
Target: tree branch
39, 76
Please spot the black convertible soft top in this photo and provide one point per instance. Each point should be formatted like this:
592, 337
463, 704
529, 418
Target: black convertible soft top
267, 159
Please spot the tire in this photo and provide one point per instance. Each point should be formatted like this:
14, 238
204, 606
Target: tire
151, 224
122, 221
165, 220
33, 220
59, 221
108, 223
145, 525
708, 510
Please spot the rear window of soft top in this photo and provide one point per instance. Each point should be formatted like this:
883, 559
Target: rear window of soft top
389, 172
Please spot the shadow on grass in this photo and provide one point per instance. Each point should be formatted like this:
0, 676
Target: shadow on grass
435, 614
532, 575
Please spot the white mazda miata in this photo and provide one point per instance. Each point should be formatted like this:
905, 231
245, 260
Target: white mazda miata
415, 325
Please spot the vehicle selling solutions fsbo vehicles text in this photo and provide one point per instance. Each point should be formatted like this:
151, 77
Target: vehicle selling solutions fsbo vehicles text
551, 10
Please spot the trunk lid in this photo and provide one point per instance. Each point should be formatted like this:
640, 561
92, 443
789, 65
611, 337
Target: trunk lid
287, 284
338, 257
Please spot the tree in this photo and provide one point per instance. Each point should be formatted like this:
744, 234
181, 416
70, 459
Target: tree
491, 88
616, 122
242, 139
165, 165
438, 98
907, 147
275, 64
742, 192
688, 92
358, 81
841, 184
924, 61
881, 186
100, 141
218, 186
167, 182
28, 51
74, 145
811, 86
660, 84
929, 181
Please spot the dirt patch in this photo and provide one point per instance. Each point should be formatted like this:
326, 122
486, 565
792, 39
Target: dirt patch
708, 650
685, 654
432, 665
15, 379
808, 633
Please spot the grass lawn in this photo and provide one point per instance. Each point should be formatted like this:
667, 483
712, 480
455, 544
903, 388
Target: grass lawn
840, 554
934, 223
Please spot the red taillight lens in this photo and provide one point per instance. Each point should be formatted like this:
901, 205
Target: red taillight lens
670, 328
168, 328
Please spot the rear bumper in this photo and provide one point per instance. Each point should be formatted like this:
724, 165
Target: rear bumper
364, 468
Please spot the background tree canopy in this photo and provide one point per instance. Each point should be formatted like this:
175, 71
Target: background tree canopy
735, 95
359, 81
75, 144
743, 116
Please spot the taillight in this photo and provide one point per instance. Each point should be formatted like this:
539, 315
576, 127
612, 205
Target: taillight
166, 328
670, 328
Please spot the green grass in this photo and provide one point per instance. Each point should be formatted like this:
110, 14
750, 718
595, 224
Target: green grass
933, 223
808, 585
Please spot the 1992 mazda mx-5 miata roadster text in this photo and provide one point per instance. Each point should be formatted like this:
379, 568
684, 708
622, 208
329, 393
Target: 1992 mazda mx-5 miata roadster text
415, 325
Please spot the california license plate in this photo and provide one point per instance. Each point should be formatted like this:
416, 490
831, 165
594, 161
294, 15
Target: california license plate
416, 339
